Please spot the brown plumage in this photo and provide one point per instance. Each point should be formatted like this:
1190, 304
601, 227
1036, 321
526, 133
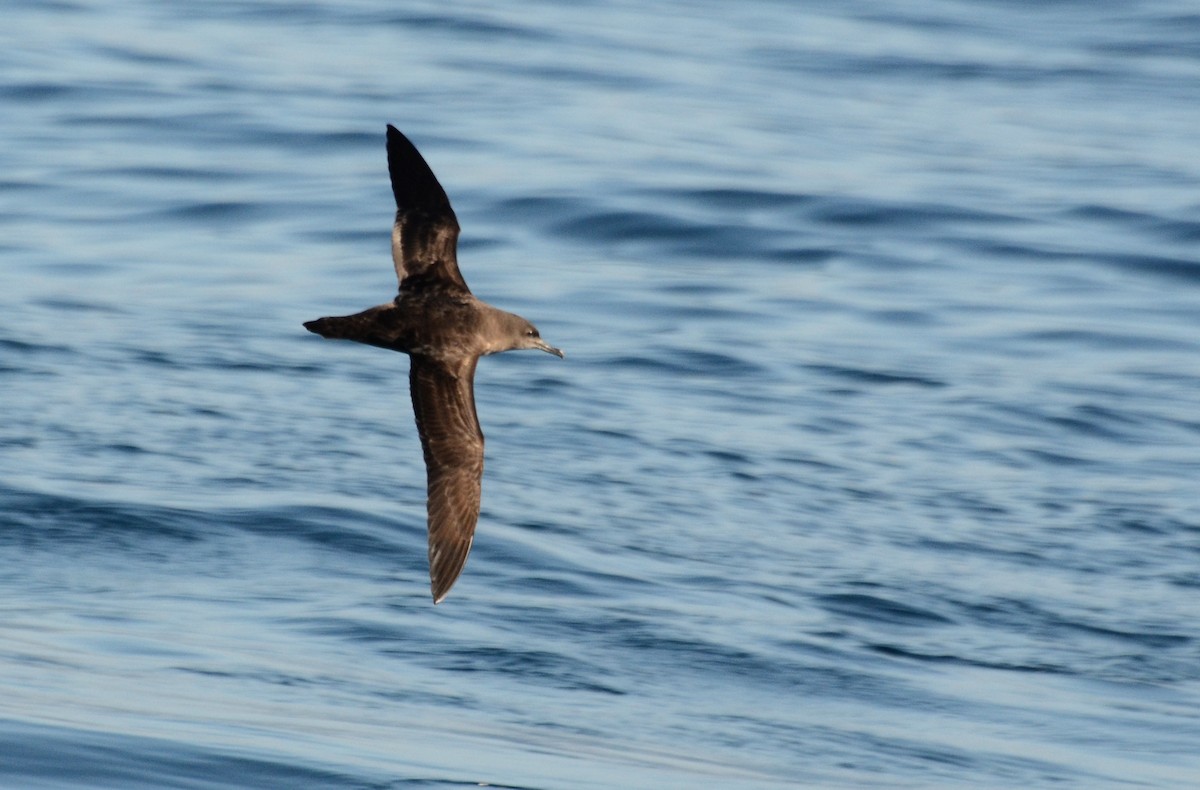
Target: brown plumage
444, 330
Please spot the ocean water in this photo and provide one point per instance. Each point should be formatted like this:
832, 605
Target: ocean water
874, 460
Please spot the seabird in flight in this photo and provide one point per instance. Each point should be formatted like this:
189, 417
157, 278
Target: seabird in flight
444, 330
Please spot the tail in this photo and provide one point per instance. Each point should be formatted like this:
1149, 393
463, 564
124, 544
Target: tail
377, 326
334, 328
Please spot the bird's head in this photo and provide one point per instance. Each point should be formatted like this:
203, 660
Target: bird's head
522, 334
530, 338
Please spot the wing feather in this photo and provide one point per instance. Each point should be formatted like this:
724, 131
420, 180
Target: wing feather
425, 234
444, 403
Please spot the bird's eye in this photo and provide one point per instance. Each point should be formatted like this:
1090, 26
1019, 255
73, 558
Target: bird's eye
531, 333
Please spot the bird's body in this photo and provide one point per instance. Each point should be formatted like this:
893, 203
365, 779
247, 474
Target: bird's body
436, 324
444, 329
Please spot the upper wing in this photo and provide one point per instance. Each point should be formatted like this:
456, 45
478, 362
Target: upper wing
425, 236
444, 402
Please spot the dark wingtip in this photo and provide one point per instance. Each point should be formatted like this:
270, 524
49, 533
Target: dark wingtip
441, 587
444, 570
414, 185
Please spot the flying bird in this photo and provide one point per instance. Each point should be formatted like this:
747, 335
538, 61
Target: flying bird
444, 329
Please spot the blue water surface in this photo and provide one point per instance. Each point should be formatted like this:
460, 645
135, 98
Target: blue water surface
873, 461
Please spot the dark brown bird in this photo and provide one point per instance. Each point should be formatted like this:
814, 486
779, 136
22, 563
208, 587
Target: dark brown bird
444, 330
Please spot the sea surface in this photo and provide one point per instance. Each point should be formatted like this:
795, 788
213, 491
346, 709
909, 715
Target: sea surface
874, 461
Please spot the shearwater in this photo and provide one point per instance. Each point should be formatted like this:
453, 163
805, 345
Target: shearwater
444, 330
